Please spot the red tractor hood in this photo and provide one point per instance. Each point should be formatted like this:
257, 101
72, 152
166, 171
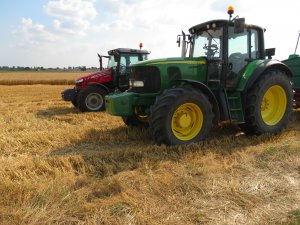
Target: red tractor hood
97, 75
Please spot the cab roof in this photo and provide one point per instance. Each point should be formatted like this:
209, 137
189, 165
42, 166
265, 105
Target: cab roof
220, 22
127, 50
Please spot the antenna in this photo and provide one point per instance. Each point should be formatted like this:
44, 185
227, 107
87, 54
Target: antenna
297, 43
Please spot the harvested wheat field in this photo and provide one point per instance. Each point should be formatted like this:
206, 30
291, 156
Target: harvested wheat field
61, 166
40, 77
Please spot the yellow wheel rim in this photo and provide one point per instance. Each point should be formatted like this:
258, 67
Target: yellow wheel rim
187, 121
273, 105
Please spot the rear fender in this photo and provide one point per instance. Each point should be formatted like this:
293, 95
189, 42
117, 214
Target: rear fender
258, 67
207, 92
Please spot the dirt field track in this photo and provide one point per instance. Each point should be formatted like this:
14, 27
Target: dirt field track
61, 166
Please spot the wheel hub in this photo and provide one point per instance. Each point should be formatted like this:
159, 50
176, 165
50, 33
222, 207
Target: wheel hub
183, 120
187, 121
265, 104
94, 101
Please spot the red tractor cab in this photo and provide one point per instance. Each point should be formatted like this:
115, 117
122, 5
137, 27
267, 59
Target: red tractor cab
89, 91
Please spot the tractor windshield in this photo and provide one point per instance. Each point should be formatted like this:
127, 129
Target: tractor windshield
208, 43
111, 62
126, 60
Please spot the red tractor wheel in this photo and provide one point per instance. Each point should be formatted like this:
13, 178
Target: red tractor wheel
91, 99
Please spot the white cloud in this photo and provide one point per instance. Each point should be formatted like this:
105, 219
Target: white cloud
34, 33
101, 28
152, 14
71, 9
97, 26
72, 16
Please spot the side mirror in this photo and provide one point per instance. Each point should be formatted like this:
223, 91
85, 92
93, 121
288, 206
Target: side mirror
270, 52
178, 40
100, 61
239, 25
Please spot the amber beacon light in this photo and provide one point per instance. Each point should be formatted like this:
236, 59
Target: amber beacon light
230, 11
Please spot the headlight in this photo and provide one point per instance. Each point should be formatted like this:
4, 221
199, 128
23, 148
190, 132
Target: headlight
136, 83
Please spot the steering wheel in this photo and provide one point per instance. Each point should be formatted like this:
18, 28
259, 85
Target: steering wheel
211, 50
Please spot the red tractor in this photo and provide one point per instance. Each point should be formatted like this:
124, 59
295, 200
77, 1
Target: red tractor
89, 91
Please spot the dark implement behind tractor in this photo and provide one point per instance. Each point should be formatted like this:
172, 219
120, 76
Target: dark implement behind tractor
89, 91
228, 75
293, 63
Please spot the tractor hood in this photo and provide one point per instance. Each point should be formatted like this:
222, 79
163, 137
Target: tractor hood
163, 72
101, 73
173, 61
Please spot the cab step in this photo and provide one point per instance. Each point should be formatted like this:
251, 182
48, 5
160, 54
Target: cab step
235, 108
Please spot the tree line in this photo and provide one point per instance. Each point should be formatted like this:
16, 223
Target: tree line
41, 68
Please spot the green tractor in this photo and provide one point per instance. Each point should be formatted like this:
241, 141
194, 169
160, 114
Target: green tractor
228, 75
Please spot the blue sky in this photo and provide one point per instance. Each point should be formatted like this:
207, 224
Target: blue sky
61, 33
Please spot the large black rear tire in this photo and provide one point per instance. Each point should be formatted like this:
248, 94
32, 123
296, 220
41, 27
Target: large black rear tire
181, 116
269, 104
91, 99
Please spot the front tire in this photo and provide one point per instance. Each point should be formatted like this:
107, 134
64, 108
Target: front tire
268, 104
74, 103
181, 116
139, 118
91, 99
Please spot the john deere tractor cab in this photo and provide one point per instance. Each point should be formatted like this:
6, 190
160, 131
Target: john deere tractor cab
227, 75
89, 91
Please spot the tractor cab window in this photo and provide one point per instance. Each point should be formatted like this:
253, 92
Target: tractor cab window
208, 43
111, 62
126, 60
242, 48
132, 59
254, 45
237, 50
123, 65
143, 57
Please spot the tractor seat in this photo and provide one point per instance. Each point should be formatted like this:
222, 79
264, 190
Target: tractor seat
238, 61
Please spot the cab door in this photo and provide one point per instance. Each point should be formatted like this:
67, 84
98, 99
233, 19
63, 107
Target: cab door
242, 49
